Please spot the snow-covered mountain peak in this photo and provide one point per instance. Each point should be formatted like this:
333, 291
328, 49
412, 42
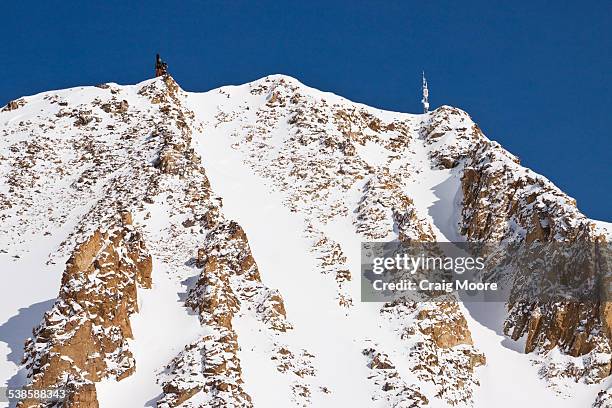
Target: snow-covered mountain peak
225, 228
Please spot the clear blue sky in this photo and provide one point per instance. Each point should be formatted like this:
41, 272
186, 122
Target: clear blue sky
535, 75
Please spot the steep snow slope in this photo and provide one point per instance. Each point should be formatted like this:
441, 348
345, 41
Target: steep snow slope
256, 203
255, 297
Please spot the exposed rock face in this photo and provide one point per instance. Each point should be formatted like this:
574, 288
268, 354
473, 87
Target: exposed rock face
512, 193
83, 396
229, 256
579, 325
543, 214
83, 338
211, 366
443, 334
384, 205
440, 346
506, 203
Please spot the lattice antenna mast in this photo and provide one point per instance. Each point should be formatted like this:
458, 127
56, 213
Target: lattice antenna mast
425, 99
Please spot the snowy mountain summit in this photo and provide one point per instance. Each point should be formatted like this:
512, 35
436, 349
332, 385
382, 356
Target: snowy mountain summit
162, 248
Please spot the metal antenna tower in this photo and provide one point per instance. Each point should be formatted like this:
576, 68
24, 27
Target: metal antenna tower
425, 99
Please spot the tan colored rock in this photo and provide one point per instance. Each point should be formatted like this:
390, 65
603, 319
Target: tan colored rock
13, 105
84, 336
126, 218
83, 397
444, 333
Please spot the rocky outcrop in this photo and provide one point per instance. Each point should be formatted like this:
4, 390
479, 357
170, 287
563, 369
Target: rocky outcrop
439, 345
574, 320
211, 365
115, 106
435, 324
83, 396
83, 338
499, 194
13, 105
384, 208
332, 262
604, 399
451, 136
508, 205
505, 203
228, 256
390, 387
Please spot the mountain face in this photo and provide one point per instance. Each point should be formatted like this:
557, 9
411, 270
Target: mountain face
174, 249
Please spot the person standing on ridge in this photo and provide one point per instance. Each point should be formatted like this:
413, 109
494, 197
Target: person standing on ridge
161, 68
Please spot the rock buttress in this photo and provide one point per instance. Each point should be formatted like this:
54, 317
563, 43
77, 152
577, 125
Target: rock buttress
83, 338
